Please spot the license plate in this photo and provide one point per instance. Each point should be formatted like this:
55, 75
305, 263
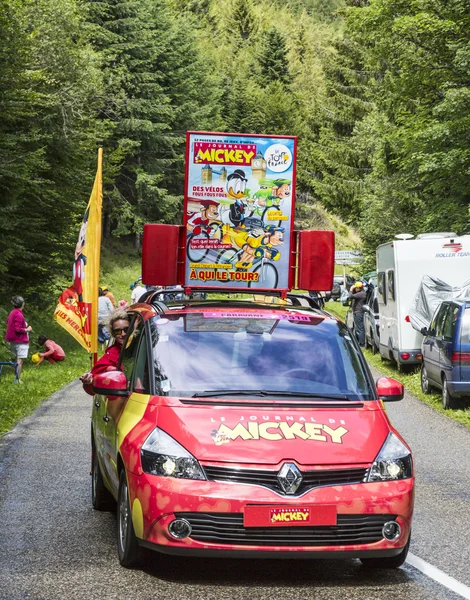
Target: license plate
289, 516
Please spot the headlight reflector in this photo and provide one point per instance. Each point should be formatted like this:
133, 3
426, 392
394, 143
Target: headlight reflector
162, 455
393, 462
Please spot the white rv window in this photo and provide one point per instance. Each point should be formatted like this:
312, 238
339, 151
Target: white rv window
391, 285
381, 287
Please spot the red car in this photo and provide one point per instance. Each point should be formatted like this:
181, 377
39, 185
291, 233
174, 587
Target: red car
247, 429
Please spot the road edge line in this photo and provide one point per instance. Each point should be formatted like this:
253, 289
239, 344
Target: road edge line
439, 576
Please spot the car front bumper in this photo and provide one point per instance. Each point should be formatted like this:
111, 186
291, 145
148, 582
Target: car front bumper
215, 513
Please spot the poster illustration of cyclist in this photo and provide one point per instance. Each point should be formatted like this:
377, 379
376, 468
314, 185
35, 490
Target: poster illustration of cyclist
239, 210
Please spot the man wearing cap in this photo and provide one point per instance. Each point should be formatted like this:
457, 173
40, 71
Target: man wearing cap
109, 295
199, 222
358, 298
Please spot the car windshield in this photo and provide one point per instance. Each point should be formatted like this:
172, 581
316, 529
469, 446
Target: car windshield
216, 352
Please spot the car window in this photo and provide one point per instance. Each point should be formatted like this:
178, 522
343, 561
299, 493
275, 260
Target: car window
199, 352
129, 353
375, 303
440, 319
465, 327
381, 287
140, 380
450, 322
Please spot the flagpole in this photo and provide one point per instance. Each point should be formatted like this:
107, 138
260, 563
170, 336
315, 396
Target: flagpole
99, 176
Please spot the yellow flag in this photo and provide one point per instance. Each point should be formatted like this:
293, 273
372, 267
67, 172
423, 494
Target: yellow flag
77, 310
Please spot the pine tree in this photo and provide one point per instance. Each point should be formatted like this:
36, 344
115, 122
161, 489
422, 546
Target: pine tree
155, 88
242, 21
273, 61
49, 80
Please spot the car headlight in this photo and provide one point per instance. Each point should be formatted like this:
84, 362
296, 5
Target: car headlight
393, 461
162, 455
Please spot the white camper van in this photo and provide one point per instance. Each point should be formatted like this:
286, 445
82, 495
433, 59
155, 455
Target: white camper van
401, 265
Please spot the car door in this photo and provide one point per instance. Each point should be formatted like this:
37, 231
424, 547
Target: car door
446, 345
132, 362
432, 344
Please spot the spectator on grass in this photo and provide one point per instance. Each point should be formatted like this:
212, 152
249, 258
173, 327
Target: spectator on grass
109, 295
138, 289
105, 310
53, 352
17, 334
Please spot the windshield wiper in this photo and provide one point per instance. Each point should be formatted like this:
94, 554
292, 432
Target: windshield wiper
215, 393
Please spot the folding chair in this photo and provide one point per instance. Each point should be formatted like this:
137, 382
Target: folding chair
9, 364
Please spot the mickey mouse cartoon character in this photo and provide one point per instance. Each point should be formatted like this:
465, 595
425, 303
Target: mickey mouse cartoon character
80, 259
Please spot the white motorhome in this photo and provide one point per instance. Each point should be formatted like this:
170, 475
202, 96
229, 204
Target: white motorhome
401, 265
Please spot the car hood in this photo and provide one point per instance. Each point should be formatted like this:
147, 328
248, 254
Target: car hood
268, 435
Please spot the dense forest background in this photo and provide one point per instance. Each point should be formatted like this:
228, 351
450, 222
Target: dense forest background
377, 91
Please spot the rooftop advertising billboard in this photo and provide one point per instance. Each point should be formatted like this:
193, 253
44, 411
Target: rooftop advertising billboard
239, 210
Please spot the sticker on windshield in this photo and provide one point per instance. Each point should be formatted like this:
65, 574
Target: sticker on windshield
260, 315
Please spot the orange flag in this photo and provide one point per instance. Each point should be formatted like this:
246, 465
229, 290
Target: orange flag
77, 310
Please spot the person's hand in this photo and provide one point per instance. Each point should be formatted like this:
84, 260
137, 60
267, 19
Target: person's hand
28, 329
86, 378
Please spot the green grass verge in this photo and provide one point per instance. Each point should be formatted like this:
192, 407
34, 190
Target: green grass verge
18, 401
337, 309
412, 382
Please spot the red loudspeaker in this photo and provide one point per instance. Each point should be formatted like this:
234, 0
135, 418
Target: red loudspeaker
315, 260
160, 254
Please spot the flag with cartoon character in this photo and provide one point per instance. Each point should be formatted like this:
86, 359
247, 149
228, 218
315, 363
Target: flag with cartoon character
77, 306
239, 210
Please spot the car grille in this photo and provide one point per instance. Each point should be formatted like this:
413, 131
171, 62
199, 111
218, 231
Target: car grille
228, 528
310, 479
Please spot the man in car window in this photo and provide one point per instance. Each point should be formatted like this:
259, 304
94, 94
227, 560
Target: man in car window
358, 297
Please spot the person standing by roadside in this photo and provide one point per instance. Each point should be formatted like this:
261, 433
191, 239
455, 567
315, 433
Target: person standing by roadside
109, 295
17, 334
138, 290
105, 310
358, 298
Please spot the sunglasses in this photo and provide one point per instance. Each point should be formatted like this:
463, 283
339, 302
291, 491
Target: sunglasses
119, 331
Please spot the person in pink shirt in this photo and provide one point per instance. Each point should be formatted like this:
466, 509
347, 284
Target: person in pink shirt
17, 334
53, 352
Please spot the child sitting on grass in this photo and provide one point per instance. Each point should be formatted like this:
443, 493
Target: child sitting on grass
53, 353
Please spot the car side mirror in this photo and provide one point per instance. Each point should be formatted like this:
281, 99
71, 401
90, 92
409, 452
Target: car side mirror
389, 390
425, 331
112, 384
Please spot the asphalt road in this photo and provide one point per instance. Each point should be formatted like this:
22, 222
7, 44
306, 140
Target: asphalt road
54, 546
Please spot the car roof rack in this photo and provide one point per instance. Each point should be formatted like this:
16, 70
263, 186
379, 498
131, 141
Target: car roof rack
258, 297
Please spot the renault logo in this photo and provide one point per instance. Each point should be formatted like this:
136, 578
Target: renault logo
289, 478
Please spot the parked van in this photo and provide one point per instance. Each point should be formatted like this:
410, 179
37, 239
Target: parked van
446, 352
401, 265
